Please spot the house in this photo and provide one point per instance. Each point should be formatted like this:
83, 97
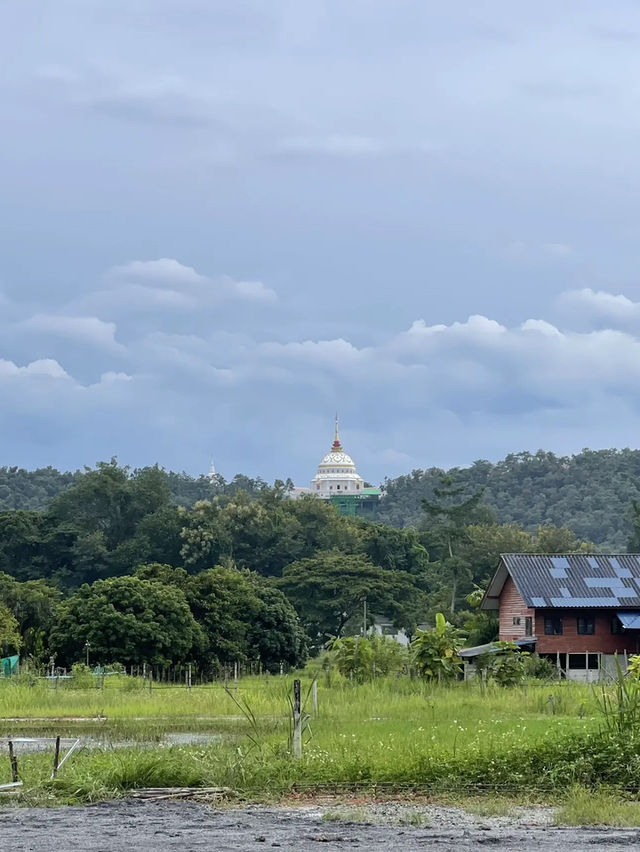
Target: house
383, 626
578, 610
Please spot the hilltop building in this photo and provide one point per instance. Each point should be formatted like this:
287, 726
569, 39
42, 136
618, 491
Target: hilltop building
338, 480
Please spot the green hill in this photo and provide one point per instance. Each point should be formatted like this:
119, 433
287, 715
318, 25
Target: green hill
590, 492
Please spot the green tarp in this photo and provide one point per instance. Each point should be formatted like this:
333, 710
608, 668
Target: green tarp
9, 666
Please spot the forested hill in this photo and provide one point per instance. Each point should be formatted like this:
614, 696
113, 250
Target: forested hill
34, 489
591, 492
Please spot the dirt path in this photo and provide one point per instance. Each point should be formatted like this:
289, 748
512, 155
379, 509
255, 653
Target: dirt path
135, 826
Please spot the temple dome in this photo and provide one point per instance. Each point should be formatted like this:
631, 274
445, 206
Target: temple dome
337, 474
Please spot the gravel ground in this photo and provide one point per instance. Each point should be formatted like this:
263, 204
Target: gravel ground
137, 826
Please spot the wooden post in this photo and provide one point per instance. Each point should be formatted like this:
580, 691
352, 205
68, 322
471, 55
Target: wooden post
56, 758
314, 692
297, 721
13, 760
150, 681
189, 676
144, 670
235, 675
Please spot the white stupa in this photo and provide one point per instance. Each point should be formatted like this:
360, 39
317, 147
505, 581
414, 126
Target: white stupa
337, 474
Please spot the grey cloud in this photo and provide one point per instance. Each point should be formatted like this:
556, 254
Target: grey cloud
88, 330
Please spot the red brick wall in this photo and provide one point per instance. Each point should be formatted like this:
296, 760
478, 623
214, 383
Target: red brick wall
574, 643
512, 606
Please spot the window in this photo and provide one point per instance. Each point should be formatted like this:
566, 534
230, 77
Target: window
553, 625
528, 626
586, 625
338, 487
516, 620
616, 626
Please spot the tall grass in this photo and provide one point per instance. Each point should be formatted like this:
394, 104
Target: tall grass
396, 733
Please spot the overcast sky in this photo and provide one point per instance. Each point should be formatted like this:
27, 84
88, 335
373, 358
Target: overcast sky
221, 220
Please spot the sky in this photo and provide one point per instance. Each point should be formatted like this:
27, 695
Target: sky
223, 220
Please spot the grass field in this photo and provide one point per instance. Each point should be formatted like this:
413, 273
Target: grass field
390, 734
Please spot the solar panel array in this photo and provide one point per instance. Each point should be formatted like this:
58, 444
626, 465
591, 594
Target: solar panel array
576, 580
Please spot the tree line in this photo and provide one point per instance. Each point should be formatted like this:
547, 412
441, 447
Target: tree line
590, 492
243, 575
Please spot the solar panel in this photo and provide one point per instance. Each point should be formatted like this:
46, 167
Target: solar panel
558, 573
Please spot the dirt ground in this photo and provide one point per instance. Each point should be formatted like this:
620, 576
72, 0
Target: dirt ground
138, 826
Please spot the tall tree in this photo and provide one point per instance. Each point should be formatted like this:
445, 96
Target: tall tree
330, 588
446, 527
126, 620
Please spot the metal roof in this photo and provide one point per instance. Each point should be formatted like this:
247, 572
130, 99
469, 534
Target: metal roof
570, 580
493, 648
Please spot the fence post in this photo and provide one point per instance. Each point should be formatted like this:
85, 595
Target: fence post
189, 675
13, 760
314, 692
297, 721
235, 675
56, 758
150, 681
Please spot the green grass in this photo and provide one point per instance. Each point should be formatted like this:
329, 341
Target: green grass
583, 807
391, 734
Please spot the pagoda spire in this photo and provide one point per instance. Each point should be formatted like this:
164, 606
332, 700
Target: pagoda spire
337, 446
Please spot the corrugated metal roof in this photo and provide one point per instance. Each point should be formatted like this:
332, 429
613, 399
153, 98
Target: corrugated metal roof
576, 579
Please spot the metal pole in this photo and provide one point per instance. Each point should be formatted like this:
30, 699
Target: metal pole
297, 721
14, 764
56, 757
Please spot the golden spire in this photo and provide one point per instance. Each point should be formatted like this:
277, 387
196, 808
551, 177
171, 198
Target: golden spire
337, 446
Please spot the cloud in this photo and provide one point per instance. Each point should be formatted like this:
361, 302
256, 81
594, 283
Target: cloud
89, 330
479, 382
43, 367
597, 308
164, 272
165, 285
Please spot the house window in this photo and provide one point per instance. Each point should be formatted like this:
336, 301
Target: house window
586, 625
553, 625
616, 627
338, 487
516, 620
528, 626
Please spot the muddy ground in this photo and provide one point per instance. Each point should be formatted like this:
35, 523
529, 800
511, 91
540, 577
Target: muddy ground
138, 826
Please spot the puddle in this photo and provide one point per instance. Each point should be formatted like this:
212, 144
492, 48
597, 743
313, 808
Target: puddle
30, 745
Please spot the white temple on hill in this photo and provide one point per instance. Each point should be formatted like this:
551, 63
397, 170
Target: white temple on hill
337, 475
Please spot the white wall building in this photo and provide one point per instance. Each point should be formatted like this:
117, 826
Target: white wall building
337, 474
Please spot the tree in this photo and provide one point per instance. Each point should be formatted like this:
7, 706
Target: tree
436, 652
560, 540
33, 605
446, 524
128, 620
328, 589
242, 616
10, 639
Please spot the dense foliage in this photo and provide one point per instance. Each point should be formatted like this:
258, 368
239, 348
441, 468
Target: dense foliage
246, 574
591, 492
